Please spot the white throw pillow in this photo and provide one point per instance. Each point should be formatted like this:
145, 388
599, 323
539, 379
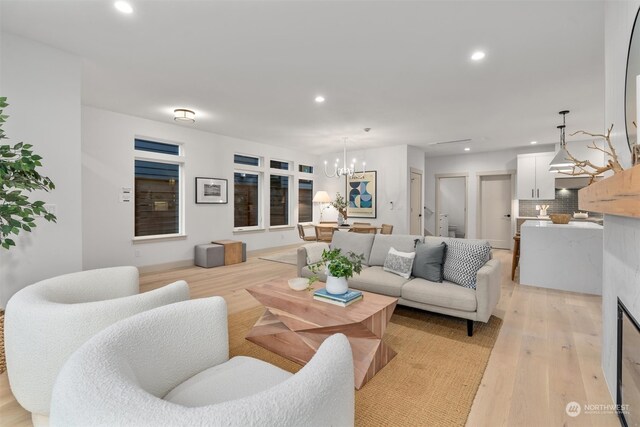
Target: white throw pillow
400, 263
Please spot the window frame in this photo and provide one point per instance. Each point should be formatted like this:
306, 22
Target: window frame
313, 184
255, 170
290, 174
172, 159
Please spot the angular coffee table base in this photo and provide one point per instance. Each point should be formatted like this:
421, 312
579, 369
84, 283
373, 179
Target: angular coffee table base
370, 353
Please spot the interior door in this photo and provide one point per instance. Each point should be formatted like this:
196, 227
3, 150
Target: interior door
415, 226
495, 210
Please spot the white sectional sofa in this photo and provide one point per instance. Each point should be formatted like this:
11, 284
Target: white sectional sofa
445, 297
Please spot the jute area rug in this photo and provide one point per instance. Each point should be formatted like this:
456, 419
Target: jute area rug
431, 382
287, 257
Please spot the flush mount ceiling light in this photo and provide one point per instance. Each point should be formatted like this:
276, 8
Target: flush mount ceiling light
467, 149
478, 55
123, 6
534, 142
319, 99
561, 162
184, 115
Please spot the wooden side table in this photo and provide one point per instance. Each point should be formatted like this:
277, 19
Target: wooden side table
232, 251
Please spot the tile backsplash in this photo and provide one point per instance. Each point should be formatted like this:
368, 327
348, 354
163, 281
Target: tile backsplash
566, 202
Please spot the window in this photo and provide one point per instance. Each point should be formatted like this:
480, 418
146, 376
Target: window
157, 147
246, 199
278, 164
157, 202
305, 200
241, 159
279, 196
305, 169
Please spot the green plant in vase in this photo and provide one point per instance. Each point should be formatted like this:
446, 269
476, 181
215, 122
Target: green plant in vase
19, 174
340, 204
339, 268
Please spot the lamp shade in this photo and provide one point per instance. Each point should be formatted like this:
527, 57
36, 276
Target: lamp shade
321, 197
560, 161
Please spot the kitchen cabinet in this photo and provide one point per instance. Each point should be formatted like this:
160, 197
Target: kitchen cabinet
535, 182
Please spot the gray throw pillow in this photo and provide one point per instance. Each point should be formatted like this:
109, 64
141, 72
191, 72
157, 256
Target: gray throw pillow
463, 260
429, 262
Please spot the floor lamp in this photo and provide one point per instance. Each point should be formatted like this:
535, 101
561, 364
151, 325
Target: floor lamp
322, 198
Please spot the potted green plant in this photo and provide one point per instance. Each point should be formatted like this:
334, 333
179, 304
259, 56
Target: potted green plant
19, 174
340, 204
339, 268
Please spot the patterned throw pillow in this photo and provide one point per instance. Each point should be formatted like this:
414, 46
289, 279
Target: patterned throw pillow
399, 263
463, 260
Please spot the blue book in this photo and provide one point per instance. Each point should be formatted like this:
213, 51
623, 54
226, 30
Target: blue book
346, 297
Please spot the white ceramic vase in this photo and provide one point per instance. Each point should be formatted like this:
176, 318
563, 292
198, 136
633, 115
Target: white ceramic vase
336, 285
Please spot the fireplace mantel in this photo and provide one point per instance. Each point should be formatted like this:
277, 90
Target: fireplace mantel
617, 195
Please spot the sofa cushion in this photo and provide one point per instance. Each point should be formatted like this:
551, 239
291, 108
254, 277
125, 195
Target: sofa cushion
445, 294
400, 263
378, 281
463, 260
429, 262
357, 243
436, 240
314, 251
239, 377
384, 242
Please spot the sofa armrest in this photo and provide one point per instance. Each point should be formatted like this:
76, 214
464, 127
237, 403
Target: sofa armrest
488, 284
302, 259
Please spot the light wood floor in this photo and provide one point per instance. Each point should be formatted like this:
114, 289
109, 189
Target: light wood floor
547, 352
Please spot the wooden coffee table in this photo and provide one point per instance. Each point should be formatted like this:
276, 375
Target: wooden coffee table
294, 325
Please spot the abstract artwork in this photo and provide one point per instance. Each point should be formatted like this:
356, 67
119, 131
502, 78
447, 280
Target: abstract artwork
361, 195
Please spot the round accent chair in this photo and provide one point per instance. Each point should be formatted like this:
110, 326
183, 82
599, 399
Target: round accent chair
47, 321
170, 366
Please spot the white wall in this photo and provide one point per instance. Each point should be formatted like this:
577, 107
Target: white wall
472, 164
452, 191
43, 90
107, 166
392, 184
621, 277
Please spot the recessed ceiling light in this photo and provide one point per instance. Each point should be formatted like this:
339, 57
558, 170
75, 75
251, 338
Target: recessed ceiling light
319, 99
184, 115
534, 142
478, 55
467, 149
123, 7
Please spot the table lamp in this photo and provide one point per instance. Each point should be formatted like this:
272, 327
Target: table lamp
323, 199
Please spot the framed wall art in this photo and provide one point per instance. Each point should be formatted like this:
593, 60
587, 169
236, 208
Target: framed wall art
362, 195
211, 191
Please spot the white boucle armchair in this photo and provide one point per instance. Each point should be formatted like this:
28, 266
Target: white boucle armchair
47, 321
170, 367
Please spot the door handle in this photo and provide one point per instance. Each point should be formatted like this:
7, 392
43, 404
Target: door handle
538, 193
419, 215
532, 192
507, 216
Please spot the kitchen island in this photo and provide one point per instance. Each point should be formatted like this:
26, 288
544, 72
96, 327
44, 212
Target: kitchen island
567, 257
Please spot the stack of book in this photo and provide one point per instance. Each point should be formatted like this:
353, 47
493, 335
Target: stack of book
342, 300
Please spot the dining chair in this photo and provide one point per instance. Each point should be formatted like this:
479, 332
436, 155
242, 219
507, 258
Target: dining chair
386, 229
303, 235
364, 229
324, 234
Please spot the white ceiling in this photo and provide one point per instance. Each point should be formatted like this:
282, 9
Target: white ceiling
251, 69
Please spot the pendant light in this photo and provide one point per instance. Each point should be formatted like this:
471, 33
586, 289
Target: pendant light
561, 162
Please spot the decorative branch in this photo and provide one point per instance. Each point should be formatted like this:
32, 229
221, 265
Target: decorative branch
585, 167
